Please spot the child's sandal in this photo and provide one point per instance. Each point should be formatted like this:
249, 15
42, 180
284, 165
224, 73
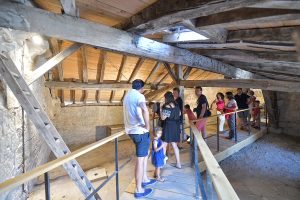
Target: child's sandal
160, 179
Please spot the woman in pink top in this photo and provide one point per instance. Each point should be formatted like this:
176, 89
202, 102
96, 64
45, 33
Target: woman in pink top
220, 103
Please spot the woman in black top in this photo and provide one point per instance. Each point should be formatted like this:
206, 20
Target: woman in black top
171, 128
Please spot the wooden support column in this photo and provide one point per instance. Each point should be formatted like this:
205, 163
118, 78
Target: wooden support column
24, 18
125, 91
69, 7
100, 71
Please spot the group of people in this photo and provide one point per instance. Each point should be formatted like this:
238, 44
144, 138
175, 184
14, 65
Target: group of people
169, 132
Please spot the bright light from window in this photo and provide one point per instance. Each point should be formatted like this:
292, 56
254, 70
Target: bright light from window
190, 36
38, 40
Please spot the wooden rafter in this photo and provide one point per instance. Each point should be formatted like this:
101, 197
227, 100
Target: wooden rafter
241, 45
136, 69
156, 66
54, 61
112, 95
75, 30
187, 73
125, 91
107, 85
265, 84
159, 16
170, 71
121, 69
100, 71
84, 73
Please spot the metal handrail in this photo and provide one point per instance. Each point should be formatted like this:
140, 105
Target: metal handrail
42, 169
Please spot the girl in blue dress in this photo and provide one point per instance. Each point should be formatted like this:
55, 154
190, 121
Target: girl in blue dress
158, 156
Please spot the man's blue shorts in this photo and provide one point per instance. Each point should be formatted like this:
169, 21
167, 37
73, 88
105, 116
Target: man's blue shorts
142, 143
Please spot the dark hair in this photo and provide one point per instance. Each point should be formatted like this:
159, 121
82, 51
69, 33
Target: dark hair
138, 84
176, 89
251, 92
199, 87
229, 95
169, 98
240, 89
187, 106
221, 94
257, 101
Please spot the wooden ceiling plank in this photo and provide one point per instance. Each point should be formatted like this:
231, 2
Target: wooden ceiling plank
76, 30
136, 69
275, 4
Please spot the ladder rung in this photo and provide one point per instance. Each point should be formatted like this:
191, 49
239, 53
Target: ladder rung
15, 75
26, 92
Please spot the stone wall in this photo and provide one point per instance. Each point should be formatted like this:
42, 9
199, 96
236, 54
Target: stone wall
21, 147
289, 113
81, 125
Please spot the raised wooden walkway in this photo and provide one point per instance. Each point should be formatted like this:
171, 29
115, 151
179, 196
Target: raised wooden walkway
180, 183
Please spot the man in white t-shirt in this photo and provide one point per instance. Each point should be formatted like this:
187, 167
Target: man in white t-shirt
137, 125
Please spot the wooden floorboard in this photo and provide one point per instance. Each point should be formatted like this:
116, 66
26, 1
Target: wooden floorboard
180, 183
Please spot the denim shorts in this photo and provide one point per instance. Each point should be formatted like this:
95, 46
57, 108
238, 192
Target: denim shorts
142, 143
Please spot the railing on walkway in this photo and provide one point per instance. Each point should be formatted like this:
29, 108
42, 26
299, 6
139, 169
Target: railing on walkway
214, 174
45, 168
249, 128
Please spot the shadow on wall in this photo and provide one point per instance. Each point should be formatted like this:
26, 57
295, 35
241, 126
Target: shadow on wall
101, 132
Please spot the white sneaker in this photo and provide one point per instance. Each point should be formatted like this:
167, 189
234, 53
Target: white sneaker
165, 159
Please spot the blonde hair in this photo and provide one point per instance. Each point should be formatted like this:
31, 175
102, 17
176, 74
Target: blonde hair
156, 130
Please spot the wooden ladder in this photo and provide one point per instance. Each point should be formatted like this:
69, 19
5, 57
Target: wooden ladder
10, 73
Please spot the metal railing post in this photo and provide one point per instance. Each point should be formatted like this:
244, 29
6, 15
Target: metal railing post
47, 186
195, 159
198, 177
209, 188
191, 147
117, 169
235, 126
218, 132
249, 122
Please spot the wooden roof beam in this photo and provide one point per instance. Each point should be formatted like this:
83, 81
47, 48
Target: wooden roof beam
264, 84
250, 18
107, 85
163, 14
44, 68
187, 73
277, 4
241, 45
31, 19
70, 8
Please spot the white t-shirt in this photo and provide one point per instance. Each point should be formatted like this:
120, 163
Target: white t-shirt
232, 104
133, 118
